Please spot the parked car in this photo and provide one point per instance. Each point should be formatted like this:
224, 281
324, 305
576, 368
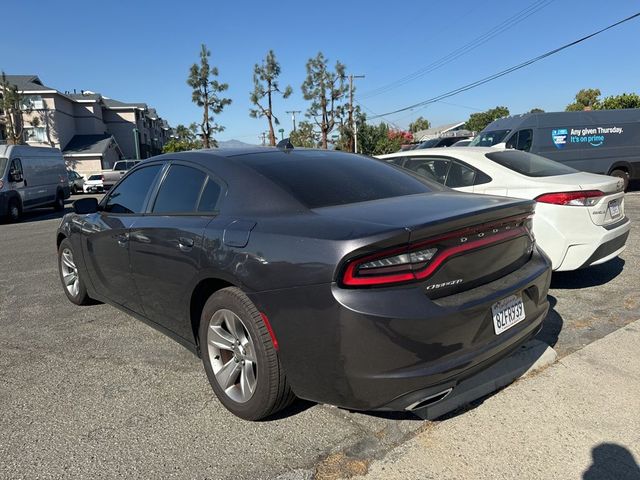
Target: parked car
463, 143
580, 219
440, 142
338, 279
599, 141
31, 177
94, 184
113, 176
76, 182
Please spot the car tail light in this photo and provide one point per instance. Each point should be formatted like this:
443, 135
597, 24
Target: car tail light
580, 198
418, 261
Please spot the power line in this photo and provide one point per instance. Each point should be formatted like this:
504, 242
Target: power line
464, 49
502, 73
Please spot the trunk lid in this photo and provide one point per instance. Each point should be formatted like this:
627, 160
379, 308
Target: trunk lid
476, 238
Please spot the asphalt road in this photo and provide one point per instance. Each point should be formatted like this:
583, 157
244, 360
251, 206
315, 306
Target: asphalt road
90, 392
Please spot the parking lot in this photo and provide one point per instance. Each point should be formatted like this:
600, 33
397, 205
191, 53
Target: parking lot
91, 392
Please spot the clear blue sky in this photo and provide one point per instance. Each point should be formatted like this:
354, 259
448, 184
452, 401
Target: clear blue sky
141, 51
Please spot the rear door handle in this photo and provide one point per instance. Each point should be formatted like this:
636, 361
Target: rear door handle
185, 244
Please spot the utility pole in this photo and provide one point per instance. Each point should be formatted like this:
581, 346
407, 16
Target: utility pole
352, 121
293, 117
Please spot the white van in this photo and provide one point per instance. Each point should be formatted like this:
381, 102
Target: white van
31, 177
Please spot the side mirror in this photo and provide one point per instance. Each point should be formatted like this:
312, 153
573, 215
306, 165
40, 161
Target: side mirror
84, 206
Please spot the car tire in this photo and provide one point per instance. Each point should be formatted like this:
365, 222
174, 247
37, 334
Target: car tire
623, 175
14, 210
73, 285
58, 205
238, 353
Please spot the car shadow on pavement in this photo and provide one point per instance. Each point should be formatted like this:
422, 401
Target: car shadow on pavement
612, 461
588, 277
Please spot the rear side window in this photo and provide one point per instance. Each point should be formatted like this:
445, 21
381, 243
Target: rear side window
460, 176
529, 164
95, 177
130, 194
210, 196
322, 179
180, 190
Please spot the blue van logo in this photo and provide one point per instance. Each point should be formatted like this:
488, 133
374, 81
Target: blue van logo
559, 137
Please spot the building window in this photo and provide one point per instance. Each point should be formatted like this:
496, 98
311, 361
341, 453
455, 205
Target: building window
35, 134
32, 102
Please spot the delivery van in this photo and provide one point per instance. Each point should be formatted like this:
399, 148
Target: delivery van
598, 141
31, 177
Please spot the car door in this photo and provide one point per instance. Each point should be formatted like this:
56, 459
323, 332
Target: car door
166, 244
107, 233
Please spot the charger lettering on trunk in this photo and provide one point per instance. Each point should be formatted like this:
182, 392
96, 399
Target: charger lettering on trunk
444, 284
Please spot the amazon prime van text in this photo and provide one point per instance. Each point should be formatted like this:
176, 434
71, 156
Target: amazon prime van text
599, 141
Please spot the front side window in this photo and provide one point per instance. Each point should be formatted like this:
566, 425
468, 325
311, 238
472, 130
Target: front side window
432, 168
529, 164
180, 190
521, 140
130, 194
489, 139
15, 170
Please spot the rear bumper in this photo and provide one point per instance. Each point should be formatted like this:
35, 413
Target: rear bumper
603, 244
383, 348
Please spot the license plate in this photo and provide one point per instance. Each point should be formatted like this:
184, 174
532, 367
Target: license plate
614, 208
507, 312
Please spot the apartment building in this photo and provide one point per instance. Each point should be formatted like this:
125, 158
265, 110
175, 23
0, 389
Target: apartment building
91, 130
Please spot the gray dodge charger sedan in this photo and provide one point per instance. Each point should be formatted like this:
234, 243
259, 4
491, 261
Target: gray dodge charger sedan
314, 274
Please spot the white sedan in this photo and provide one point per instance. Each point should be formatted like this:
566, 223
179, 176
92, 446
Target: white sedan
579, 218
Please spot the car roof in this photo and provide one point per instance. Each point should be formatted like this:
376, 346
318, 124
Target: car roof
234, 165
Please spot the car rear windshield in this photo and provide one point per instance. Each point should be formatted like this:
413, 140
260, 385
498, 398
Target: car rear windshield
489, 139
322, 179
529, 164
95, 177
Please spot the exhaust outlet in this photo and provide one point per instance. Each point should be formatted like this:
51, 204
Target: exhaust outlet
430, 400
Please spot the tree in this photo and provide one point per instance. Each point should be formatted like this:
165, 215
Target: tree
380, 139
325, 89
183, 138
265, 85
418, 124
12, 108
536, 110
202, 78
625, 100
587, 98
478, 121
304, 136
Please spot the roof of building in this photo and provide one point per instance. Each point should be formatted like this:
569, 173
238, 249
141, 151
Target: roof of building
437, 130
89, 144
112, 103
27, 83
83, 96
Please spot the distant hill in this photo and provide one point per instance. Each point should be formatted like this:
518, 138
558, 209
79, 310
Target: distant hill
234, 144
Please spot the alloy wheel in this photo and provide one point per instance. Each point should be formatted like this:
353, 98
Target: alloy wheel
69, 273
232, 355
